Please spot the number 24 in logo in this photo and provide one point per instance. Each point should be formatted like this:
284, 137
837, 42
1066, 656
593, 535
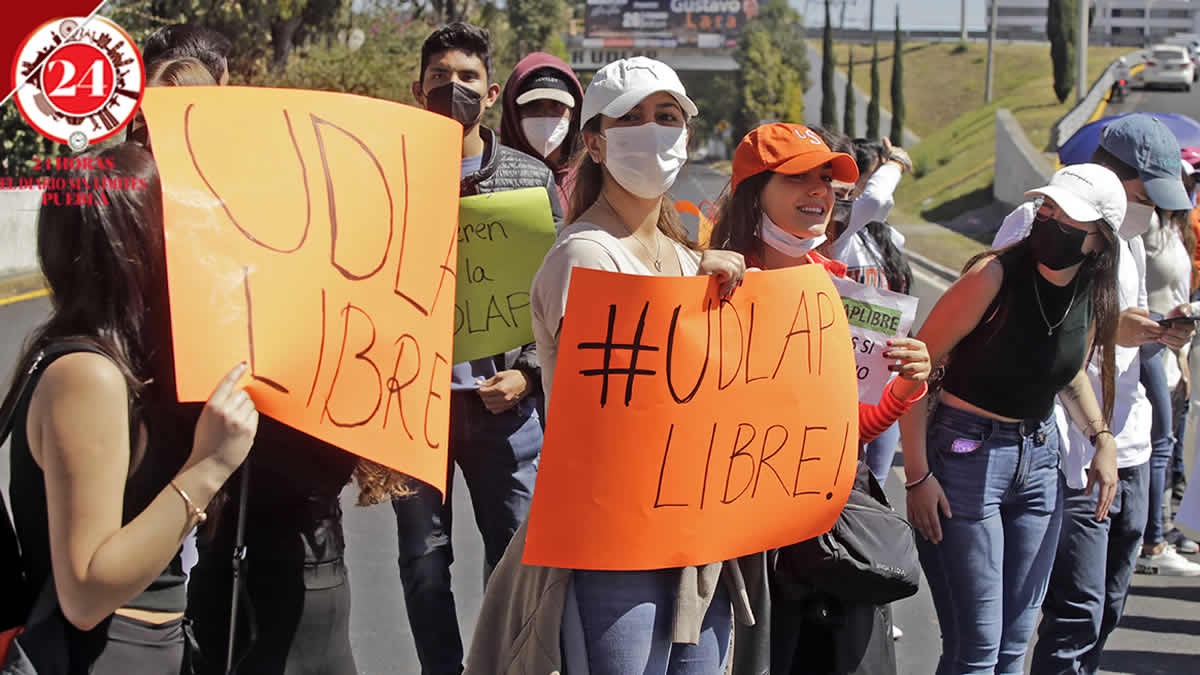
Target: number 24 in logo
79, 81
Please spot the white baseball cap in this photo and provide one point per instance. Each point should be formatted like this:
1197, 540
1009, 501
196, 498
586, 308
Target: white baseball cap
621, 85
1087, 193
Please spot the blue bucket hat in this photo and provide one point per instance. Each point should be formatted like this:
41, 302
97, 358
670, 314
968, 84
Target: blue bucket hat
1146, 144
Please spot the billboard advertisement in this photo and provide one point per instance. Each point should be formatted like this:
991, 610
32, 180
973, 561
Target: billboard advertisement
668, 23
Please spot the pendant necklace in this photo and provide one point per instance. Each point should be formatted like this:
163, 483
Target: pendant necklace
1037, 294
656, 256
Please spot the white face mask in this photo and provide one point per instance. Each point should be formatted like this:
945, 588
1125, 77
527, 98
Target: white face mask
645, 159
1137, 220
785, 242
545, 134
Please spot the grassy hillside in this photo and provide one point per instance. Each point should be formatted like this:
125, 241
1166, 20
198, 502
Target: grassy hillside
944, 92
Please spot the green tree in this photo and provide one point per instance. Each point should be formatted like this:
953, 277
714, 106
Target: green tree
264, 32
773, 73
873, 104
828, 63
897, 134
384, 67
19, 144
1060, 28
849, 123
769, 90
717, 97
535, 26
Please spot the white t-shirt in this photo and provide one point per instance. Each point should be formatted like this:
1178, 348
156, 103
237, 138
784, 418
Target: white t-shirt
1131, 410
864, 258
1168, 267
587, 245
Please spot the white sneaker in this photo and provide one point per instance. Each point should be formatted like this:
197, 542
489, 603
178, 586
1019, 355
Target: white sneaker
1167, 563
897, 633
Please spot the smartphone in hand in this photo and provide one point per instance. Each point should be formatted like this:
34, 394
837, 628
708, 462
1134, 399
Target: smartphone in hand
1176, 320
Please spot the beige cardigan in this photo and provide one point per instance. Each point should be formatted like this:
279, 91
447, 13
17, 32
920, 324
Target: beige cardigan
519, 623
521, 618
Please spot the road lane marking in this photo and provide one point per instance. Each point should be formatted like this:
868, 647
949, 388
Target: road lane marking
933, 280
24, 296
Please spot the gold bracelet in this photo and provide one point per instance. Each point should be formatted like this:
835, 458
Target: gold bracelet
193, 510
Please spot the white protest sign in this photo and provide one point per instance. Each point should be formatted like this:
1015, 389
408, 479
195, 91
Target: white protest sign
875, 315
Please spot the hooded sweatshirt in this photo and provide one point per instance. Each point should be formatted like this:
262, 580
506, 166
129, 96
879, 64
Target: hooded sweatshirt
511, 133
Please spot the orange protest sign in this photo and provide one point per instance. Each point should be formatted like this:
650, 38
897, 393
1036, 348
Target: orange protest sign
313, 234
684, 429
703, 213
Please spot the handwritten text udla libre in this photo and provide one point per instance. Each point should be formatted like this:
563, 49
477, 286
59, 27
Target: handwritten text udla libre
406, 376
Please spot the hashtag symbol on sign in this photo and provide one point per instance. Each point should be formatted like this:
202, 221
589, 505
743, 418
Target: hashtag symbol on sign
608, 346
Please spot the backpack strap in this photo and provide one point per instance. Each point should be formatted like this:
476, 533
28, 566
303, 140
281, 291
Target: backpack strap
44, 357
46, 600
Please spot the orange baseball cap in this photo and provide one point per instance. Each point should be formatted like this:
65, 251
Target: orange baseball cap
788, 149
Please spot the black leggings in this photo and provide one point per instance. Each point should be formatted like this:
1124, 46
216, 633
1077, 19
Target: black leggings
302, 619
136, 647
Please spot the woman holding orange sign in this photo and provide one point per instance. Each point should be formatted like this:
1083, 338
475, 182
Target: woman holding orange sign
780, 202
659, 622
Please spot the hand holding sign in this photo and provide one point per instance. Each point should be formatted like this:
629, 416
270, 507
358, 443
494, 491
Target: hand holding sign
685, 428
878, 318
297, 254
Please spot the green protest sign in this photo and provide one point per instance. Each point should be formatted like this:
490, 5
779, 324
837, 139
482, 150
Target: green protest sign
502, 238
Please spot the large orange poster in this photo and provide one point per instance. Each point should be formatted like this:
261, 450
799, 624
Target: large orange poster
684, 429
313, 234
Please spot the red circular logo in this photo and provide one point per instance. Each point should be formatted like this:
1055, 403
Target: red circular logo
79, 80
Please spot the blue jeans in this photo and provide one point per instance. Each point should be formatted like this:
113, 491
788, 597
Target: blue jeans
1162, 441
880, 453
626, 622
498, 455
1091, 575
989, 573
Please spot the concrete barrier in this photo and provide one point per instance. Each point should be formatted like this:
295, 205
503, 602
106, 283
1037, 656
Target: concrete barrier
18, 232
1019, 165
1068, 124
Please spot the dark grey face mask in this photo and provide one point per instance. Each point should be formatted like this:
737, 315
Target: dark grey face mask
455, 101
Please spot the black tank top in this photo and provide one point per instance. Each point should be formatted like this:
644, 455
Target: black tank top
1011, 363
143, 483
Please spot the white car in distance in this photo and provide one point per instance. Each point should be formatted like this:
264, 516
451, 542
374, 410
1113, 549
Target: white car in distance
1170, 66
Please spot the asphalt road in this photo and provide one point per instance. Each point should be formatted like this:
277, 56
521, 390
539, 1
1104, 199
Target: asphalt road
1161, 633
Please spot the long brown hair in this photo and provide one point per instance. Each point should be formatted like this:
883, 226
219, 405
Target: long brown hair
1184, 222
588, 177
1101, 268
105, 265
739, 218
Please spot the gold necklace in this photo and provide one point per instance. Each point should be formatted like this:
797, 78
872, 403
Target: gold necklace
657, 255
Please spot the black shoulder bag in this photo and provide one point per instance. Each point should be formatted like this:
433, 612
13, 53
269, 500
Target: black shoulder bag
869, 557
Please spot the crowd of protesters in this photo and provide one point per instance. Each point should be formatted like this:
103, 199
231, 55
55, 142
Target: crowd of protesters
1040, 430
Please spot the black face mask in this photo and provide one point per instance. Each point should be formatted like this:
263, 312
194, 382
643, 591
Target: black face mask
457, 102
841, 210
1055, 245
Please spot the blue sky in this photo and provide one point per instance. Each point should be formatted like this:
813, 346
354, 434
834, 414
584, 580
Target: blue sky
913, 13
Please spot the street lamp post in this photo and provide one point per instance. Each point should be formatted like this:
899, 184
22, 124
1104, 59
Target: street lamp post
1081, 52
